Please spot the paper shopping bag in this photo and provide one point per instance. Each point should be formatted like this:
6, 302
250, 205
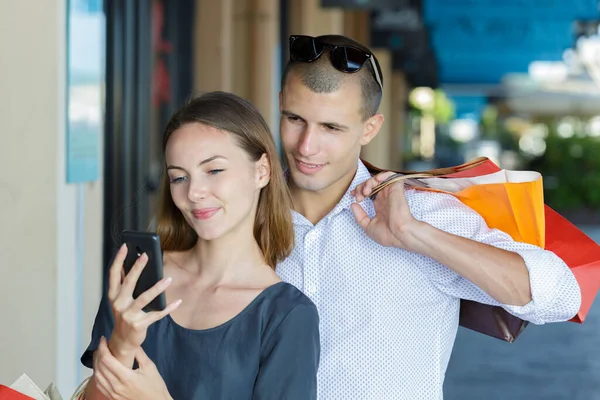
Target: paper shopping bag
564, 239
24, 388
7, 393
519, 194
578, 251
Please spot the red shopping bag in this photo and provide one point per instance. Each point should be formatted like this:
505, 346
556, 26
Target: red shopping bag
7, 393
579, 252
564, 239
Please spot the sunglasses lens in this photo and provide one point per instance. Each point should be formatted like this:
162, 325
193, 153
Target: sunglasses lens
348, 59
305, 49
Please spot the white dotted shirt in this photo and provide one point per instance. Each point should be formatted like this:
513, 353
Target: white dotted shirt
388, 317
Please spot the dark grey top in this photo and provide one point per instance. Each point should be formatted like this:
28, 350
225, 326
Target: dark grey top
268, 351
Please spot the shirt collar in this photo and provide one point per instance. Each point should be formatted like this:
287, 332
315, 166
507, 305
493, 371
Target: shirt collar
361, 175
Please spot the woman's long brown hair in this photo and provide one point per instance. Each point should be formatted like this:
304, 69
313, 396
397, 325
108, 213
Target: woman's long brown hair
273, 229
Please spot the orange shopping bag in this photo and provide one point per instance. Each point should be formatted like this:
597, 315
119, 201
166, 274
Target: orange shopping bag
518, 194
517, 208
564, 239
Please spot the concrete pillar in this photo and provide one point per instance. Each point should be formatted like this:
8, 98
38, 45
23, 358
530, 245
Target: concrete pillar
357, 25
213, 46
307, 17
264, 59
241, 48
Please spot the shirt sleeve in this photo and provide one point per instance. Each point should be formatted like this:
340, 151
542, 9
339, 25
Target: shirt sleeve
103, 326
556, 295
290, 358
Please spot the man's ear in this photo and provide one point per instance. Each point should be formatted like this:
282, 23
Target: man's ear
371, 129
263, 171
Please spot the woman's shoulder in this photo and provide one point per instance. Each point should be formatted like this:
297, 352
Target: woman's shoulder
281, 299
287, 296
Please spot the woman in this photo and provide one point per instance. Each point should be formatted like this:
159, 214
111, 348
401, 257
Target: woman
232, 329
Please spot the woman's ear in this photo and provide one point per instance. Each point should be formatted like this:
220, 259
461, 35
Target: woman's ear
263, 171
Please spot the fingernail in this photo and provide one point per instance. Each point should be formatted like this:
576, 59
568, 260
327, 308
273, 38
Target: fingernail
123, 247
168, 280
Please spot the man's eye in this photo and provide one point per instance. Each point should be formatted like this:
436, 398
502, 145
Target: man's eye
332, 128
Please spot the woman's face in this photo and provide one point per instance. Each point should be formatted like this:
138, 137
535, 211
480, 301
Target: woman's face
213, 181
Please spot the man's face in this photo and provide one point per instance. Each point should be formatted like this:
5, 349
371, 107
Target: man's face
322, 133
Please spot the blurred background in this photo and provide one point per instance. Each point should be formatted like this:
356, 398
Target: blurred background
88, 85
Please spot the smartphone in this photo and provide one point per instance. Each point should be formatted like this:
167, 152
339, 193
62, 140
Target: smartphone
139, 242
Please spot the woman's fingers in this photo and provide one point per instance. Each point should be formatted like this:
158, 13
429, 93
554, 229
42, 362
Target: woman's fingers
116, 269
103, 385
154, 316
142, 358
112, 368
145, 298
105, 379
104, 358
133, 275
113, 380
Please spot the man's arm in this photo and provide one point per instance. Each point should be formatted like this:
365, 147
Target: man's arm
500, 273
487, 265
464, 258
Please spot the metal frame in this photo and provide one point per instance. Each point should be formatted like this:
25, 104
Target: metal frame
128, 88
132, 121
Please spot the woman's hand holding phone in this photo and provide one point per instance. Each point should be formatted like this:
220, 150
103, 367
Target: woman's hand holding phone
131, 321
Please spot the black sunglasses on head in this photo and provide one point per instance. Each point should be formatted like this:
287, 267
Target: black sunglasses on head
344, 58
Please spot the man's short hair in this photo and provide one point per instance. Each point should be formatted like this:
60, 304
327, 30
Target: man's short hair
320, 76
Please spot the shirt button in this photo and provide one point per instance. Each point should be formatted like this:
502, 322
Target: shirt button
311, 289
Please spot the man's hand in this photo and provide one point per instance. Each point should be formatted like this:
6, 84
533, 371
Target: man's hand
118, 382
500, 273
393, 222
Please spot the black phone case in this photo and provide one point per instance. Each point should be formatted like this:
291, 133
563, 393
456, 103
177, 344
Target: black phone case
149, 243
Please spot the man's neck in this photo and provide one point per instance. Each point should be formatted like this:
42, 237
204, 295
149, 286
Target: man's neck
315, 205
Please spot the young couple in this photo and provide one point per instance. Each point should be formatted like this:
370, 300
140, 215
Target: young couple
386, 276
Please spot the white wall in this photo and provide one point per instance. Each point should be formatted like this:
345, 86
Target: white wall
39, 324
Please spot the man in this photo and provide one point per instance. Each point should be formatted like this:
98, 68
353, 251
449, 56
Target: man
388, 288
